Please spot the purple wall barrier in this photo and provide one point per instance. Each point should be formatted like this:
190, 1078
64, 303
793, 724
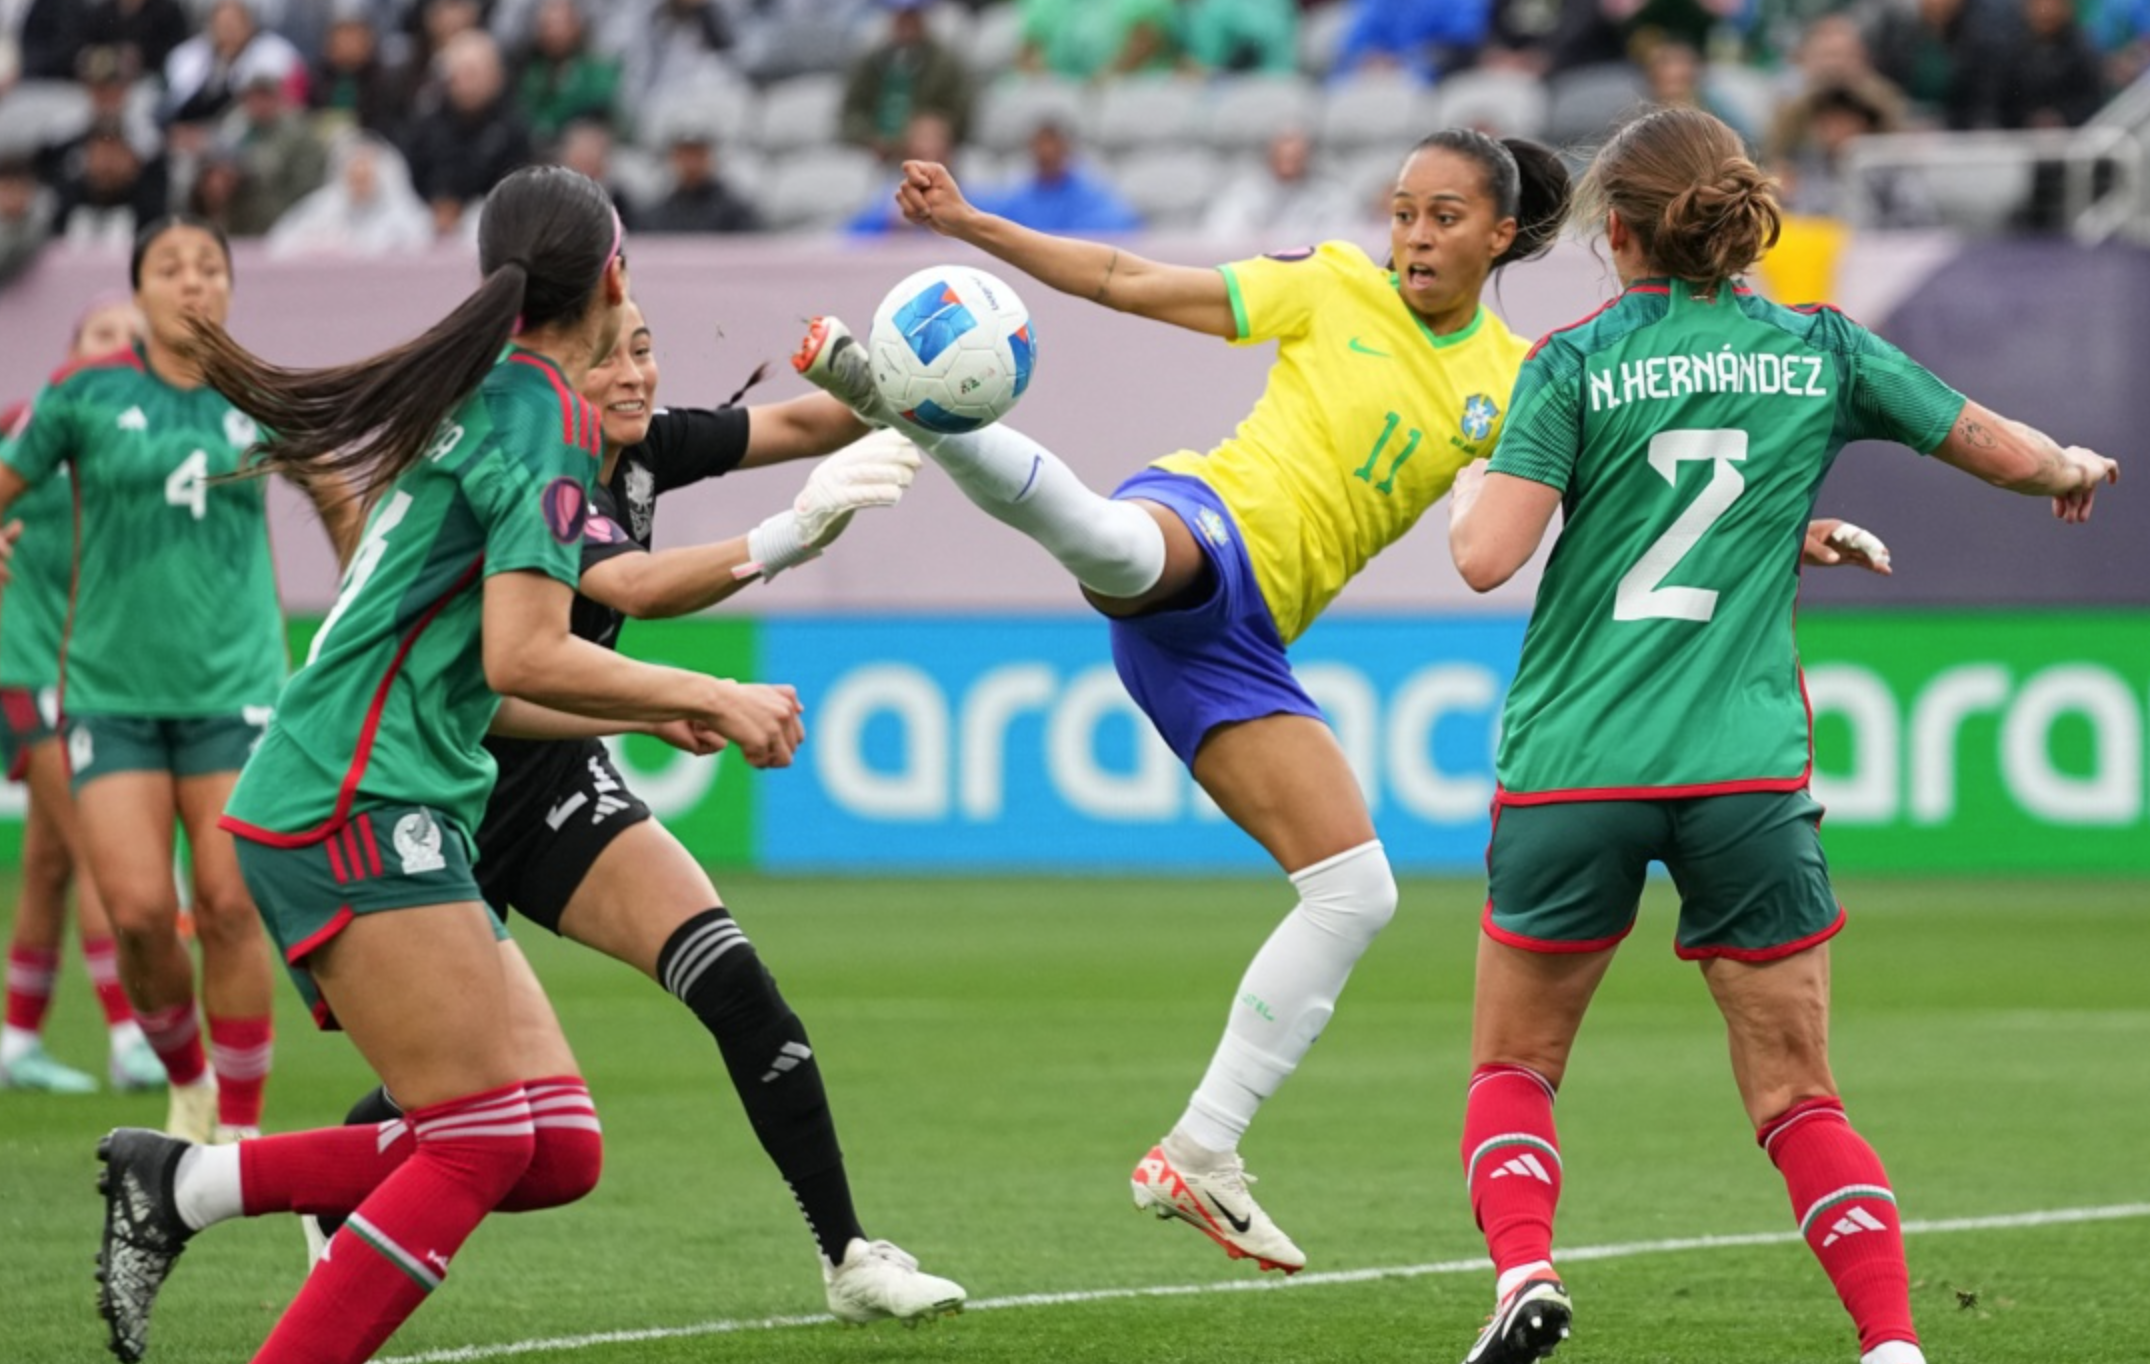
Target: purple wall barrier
2044, 331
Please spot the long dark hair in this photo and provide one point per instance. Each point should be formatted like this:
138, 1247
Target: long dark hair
1527, 181
545, 240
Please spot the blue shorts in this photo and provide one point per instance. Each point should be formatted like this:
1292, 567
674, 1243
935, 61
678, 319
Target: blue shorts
1218, 661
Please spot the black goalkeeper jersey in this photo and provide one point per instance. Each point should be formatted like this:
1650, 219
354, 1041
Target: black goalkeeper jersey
684, 446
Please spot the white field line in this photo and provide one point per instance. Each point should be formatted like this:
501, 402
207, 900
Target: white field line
1620, 1250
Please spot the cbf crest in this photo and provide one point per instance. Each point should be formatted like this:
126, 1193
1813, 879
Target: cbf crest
1479, 414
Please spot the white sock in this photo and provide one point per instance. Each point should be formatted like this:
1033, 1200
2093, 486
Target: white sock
123, 1035
1511, 1279
1113, 548
1290, 990
206, 1185
1894, 1352
15, 1043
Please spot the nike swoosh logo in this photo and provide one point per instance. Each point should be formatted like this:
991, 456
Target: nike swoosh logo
1364, 349
1239, 1224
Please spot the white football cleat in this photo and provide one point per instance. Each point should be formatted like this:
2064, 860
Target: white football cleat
192, 1114
878, 1281
1527, 1325
1216, 1204
833, 360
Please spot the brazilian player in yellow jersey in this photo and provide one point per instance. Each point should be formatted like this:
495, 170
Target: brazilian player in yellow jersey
1386, 381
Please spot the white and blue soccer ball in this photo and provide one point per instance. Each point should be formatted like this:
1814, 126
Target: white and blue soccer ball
952, 348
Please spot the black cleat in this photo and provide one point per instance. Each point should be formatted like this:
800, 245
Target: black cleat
1530, 1323
143, 1233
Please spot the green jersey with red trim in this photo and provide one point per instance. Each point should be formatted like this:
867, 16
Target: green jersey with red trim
175, 606
40, 576
392, 706
1688, 430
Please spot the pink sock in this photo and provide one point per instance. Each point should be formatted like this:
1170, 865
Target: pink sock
31, 972
239, 1050
175, 1034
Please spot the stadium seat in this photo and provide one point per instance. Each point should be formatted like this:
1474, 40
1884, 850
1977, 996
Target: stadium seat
1168, 186
1146, 112
1246, 111
640, 175
1321, 35
995, 37
37, 113
1980, 197
1382, 109
1502, 103
1585, 105
803, 111
1749, 95
1369, 176
725, 109
1009, 110
818, 188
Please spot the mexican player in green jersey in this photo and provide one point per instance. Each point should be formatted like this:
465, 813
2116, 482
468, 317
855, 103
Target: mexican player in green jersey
1657, 714
171, 663
41, 575
474, 455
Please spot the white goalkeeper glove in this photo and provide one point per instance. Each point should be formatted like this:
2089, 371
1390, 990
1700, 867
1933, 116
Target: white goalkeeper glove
873, 471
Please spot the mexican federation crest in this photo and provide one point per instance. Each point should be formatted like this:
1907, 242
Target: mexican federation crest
641, 499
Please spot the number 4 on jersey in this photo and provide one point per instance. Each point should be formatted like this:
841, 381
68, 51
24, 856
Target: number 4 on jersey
188, 485
1639, 596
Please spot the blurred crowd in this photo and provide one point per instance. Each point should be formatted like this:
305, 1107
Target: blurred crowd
371, 126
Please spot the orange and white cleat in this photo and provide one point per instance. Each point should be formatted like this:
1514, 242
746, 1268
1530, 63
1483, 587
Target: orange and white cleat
832, 360
1216, 1203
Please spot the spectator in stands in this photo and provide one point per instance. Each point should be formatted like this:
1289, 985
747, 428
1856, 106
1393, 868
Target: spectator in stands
1807, 154
1520, 36
26, 212
111, 187
1240, 36
585, 146
778, 39
215, 186
1597, 31
929, 137
49, 39
563, 79
146, 32
430, 26
667, 49
1081, 39
108, 80
351, 84
2056, 79
1421, 38
1059, 195
201, 76
1674, 75
1775, 29
279, 159
908, 73
700, 201
1286, 201
470, 143
367, 208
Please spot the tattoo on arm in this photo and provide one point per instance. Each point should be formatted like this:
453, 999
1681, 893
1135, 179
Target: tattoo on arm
1975, 433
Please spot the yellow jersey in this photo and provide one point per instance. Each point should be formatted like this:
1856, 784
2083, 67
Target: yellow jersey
1366, 418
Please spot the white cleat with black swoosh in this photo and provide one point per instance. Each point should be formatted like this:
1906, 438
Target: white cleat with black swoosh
1216, 1203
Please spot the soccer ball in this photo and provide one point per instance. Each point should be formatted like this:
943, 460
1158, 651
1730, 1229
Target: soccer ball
952, 348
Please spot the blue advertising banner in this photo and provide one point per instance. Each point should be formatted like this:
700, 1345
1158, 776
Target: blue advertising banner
956, 743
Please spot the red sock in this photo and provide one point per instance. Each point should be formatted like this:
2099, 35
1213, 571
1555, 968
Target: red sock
570, 1146
175, 1034
395, 1247
1511, 1159
1841, 1196
30, 974
328, 1170
239, 1050
102, 957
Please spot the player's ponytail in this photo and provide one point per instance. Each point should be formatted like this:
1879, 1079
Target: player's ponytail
546, 238
1525, 180
1681, 181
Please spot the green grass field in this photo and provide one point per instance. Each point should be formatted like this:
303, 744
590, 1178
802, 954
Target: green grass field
999, 1052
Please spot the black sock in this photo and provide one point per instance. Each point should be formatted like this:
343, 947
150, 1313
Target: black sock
375, 1108
714, 970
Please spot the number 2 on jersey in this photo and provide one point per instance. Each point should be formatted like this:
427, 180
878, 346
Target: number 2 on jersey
188, 485
363, 563
1639, 597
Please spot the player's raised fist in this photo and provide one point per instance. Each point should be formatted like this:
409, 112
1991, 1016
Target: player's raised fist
929, 196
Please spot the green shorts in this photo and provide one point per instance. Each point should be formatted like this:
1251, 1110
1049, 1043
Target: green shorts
29, 716
1753, 883
392, 857
195, 746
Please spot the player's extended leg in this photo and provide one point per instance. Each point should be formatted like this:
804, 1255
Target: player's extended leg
131, 1064
1526, 1008
1283, 779
126, 820
423, 994
646, 902
1111, 547
1777, 1018
33, 962
236, 974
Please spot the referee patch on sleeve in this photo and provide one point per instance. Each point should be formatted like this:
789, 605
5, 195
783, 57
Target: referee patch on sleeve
566, 509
